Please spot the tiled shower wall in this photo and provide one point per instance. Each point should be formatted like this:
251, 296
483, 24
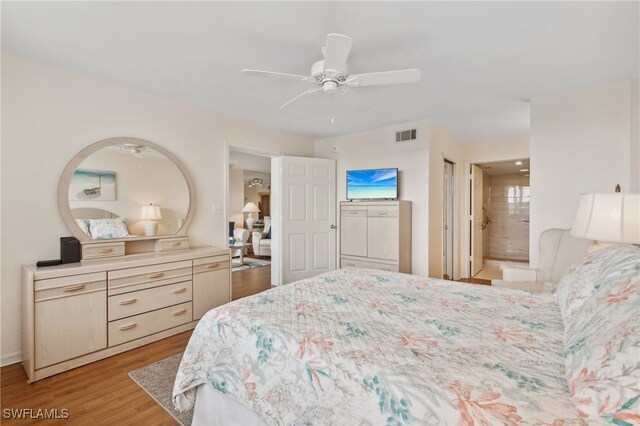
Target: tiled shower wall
507, 204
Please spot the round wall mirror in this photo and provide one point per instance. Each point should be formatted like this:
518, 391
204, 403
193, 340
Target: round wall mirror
125, 188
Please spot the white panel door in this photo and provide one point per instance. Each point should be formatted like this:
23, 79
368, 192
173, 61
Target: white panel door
476, 220
307, 208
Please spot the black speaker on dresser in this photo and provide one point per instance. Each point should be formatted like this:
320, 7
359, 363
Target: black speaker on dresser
70, 250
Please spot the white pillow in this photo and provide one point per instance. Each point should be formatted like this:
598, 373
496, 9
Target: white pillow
108, 228
83, 224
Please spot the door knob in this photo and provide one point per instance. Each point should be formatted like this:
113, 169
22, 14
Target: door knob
333, 227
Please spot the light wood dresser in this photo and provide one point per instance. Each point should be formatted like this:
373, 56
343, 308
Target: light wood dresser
79, 313
376, 235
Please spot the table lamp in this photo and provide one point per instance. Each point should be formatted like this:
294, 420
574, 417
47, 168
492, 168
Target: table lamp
150, 214
609, 219
250, 208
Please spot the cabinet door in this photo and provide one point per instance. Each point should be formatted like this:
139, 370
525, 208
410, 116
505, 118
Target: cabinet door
353, 232
68, 326
210, 289
382, 238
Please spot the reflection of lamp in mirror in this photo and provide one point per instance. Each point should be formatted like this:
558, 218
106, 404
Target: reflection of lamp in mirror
250, 208
150, 214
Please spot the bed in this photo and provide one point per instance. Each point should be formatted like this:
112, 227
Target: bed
357, 346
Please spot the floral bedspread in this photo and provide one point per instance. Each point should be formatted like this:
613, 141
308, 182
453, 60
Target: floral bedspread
358, 346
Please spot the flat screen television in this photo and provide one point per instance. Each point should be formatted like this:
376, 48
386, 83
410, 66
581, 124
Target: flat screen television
373, 184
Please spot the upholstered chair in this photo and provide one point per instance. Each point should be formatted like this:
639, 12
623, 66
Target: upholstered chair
559, 251
262, 240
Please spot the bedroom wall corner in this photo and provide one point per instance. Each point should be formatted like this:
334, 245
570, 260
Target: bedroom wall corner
581, 142
50, 113
443, 145
377, 149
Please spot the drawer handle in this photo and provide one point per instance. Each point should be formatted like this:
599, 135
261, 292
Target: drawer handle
213, 265
176, 244
128, 326
105, 250
180, 312
382, 213
74, 287
179, 290
155, 275
128, 301
350, 264
354, 212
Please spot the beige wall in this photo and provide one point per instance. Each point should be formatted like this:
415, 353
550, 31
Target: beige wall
507, 148
443, 145
236, 196
377, 149
580, 143
51, 113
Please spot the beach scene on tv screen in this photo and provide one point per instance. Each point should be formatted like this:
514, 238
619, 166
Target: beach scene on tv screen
381, 183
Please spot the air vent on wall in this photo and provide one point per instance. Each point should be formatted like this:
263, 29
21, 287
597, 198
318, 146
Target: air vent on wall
406, 135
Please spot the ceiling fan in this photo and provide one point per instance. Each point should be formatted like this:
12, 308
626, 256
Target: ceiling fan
331, 75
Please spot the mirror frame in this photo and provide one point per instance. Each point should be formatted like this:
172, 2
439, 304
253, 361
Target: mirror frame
63, 185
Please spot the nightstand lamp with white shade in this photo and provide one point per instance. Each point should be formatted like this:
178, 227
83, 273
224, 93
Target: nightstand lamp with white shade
608, 218
250, 208
150, 214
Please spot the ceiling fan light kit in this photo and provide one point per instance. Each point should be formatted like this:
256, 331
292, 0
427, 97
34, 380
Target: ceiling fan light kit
331, 75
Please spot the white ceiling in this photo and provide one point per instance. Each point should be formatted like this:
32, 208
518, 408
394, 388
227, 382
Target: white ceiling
481, 61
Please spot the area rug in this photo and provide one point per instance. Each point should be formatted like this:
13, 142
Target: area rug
249, 263
157, 380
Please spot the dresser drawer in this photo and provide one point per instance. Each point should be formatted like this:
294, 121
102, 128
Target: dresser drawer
362, 212
168, 244
137, 302
70, 281
133, 279
213, 263
369, 265
382, 211
102, 250
142, 325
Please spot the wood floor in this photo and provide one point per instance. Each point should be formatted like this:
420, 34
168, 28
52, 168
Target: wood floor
102, 393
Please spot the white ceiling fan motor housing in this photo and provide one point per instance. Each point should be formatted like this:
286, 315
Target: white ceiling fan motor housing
329, 79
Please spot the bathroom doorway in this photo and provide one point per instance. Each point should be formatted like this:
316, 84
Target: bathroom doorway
499, 224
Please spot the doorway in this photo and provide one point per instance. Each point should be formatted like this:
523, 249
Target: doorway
448, 218
499, 216
249, 220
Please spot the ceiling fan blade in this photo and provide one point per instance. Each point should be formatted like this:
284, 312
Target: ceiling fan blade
363, 104
317, 89
380, 78
336, 52
272, 74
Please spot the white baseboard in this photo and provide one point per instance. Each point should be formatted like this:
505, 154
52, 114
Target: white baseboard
11, 358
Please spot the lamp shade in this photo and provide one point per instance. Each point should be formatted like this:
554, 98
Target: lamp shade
608, 218
250, 208
150, 212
